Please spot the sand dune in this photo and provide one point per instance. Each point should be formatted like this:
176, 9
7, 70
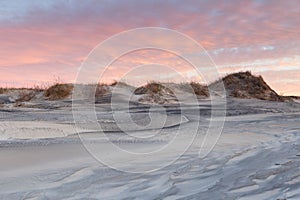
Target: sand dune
242, 85
256, 157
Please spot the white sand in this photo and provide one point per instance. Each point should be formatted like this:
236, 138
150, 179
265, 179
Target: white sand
257, 157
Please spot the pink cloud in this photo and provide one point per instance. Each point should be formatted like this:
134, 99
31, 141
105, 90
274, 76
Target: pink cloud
52, 38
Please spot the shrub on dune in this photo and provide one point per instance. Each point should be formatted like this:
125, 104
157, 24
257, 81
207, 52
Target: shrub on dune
101, 90
3, 90
199, 89
58, 91
26, 95
153, 88
247, 86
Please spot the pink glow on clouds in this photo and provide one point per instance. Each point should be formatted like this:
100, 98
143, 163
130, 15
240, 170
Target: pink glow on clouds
42, 40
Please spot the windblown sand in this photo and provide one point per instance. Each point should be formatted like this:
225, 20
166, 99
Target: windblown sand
256, 157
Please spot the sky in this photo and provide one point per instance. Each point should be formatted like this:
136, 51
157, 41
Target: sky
46, 41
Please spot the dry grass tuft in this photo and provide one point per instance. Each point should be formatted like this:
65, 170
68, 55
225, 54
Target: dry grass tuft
245, 85
156, 93
193, 87
101, 90
120, 83
153, 88
3, 90
199, 89
58, 91
26, 95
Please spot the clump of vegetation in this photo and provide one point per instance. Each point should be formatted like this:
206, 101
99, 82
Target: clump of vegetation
121, 84
199, 89
155, 92
246, 85
26, 95
3, 90
193, 87
140, 90
153, 88
58, 91
101, 90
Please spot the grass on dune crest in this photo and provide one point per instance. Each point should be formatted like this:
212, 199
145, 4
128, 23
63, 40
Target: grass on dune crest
247, 86
58, 91
3, 90
239, 85
154, 88
157, 87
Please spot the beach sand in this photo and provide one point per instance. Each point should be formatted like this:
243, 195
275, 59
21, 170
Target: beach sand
256, 156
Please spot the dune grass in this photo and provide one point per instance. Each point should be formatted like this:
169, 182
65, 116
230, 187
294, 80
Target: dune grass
26, 95
239, 85
153, 88
58, 91
2, 90
101, 90
246, 85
